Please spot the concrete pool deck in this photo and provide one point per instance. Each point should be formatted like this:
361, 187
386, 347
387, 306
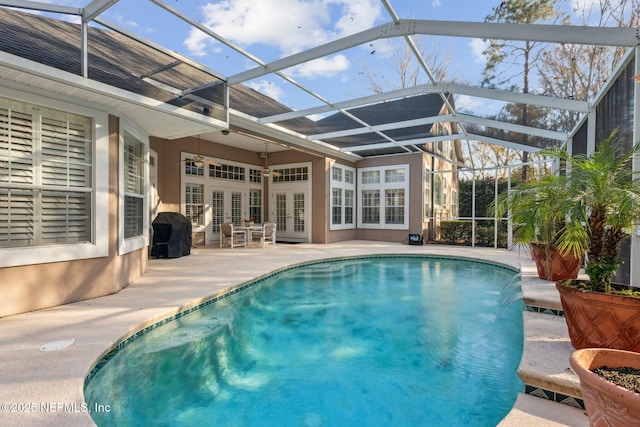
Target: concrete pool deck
42, 388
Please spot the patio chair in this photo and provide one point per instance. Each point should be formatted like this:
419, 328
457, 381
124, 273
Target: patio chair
266, 234
233, 238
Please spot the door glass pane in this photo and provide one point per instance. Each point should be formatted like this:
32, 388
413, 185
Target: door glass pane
255, 205
298, 212
236, 208
281, 211
217, 209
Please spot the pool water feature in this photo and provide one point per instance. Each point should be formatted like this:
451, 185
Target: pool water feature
379, 341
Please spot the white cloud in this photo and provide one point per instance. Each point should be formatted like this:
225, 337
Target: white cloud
267, 88
477, 47
325, 67
288, 26
436, 4
196, 43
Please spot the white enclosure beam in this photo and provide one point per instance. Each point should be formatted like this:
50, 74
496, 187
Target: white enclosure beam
42, 7
444, 87
422, 141
456, 118
605, 36
95, 8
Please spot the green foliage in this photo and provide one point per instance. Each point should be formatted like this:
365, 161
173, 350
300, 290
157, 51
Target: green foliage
591, 207
604, 195
458, 232
485, 195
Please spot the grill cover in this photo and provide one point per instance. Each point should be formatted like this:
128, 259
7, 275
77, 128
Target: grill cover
171, 235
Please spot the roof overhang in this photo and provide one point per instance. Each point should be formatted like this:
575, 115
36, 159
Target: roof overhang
155, 117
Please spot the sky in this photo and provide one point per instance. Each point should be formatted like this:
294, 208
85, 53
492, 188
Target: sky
272, 29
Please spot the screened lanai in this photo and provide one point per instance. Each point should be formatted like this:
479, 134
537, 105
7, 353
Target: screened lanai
328, 121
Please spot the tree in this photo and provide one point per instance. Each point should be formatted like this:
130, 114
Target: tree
503, 55
407, 71
578, 71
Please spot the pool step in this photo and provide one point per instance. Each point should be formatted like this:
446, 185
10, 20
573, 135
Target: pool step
552, 394
544, 367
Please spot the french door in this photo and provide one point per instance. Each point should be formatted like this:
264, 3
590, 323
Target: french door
289, 209
226, 206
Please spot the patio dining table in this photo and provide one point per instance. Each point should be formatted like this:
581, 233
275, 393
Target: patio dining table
249, 229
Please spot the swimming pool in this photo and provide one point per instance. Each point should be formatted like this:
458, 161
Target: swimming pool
397, 340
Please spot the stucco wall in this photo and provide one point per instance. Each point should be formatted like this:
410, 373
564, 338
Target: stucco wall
40, 286
415, 198
169, 170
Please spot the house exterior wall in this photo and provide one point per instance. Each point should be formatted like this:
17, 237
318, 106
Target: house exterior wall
170, 185
414, 198
38, 286
170, 180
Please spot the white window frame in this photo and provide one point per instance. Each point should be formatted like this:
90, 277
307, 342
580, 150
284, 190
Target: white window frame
343, 186
99, 247
138, 242
427, 189
211, 184
382, 187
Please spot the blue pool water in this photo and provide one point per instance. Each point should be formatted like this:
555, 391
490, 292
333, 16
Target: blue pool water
383, 341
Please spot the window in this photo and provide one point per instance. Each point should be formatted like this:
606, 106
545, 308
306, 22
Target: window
370, 177
255, 175
255, 205
226, 171
297, 174
394, 175
194, 203
383, 204
454, 202
190, 168
46, 174
394, 206
342, 197
336, 206
134, 209
134, 185
348, 206
427, 193
336, 174
371, 207
50, 185
348, 176
437, 190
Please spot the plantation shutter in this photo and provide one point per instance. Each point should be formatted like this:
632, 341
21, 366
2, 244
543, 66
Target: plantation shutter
134, 178
16, 167
66, 165
46, 187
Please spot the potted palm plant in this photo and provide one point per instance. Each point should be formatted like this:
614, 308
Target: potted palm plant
538, 211
603, 201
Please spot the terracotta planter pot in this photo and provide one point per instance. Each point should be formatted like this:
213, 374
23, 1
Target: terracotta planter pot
563, 267
601, 320
607, 404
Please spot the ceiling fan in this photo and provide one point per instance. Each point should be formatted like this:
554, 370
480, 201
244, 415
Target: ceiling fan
199, 161
265, 170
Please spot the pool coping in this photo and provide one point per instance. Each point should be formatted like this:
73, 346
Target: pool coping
50, 384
